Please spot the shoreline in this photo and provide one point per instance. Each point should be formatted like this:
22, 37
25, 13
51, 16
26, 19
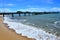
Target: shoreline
35, 32
7, 25
8, 34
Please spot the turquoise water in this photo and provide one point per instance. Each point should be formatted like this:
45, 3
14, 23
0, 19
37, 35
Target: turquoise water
47, 22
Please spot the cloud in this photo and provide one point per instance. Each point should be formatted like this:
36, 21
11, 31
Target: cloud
6, 10
55, 9
10, 4
26, 9
33, 9
7, 4
40, 9
30, 9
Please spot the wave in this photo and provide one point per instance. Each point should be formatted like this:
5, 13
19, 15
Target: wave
57, 23
29, 31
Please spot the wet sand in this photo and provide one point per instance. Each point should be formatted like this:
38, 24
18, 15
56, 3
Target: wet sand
7, 34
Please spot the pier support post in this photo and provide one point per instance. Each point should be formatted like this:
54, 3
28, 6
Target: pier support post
3, 15
24, 14
19, 14
32, 13
28, 14
12, 15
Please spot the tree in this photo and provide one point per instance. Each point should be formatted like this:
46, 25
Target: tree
19, 12
27, 12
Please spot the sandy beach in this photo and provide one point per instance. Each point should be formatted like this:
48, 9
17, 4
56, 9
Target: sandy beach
7, 34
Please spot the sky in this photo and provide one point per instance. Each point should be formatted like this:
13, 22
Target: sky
29, 5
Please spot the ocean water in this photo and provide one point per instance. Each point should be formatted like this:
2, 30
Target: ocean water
35, 26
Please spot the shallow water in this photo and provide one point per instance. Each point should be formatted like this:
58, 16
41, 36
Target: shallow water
46, 22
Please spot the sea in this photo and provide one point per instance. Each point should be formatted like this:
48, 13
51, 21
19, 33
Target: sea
39, 27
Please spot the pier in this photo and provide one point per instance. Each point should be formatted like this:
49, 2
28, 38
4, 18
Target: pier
25, 13
12, 13
19, 13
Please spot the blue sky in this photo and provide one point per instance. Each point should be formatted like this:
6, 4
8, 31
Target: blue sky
29, 5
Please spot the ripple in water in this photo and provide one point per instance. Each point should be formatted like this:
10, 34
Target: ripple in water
54, 28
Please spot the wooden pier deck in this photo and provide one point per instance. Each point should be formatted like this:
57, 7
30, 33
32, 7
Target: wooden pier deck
12, 13
25, 13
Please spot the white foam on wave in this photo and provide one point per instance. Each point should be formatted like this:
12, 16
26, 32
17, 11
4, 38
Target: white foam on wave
56, 22
29, 31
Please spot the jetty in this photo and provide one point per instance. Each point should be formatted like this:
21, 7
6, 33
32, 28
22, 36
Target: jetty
25, 13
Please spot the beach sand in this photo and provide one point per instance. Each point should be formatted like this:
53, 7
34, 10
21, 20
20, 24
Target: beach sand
7, 34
